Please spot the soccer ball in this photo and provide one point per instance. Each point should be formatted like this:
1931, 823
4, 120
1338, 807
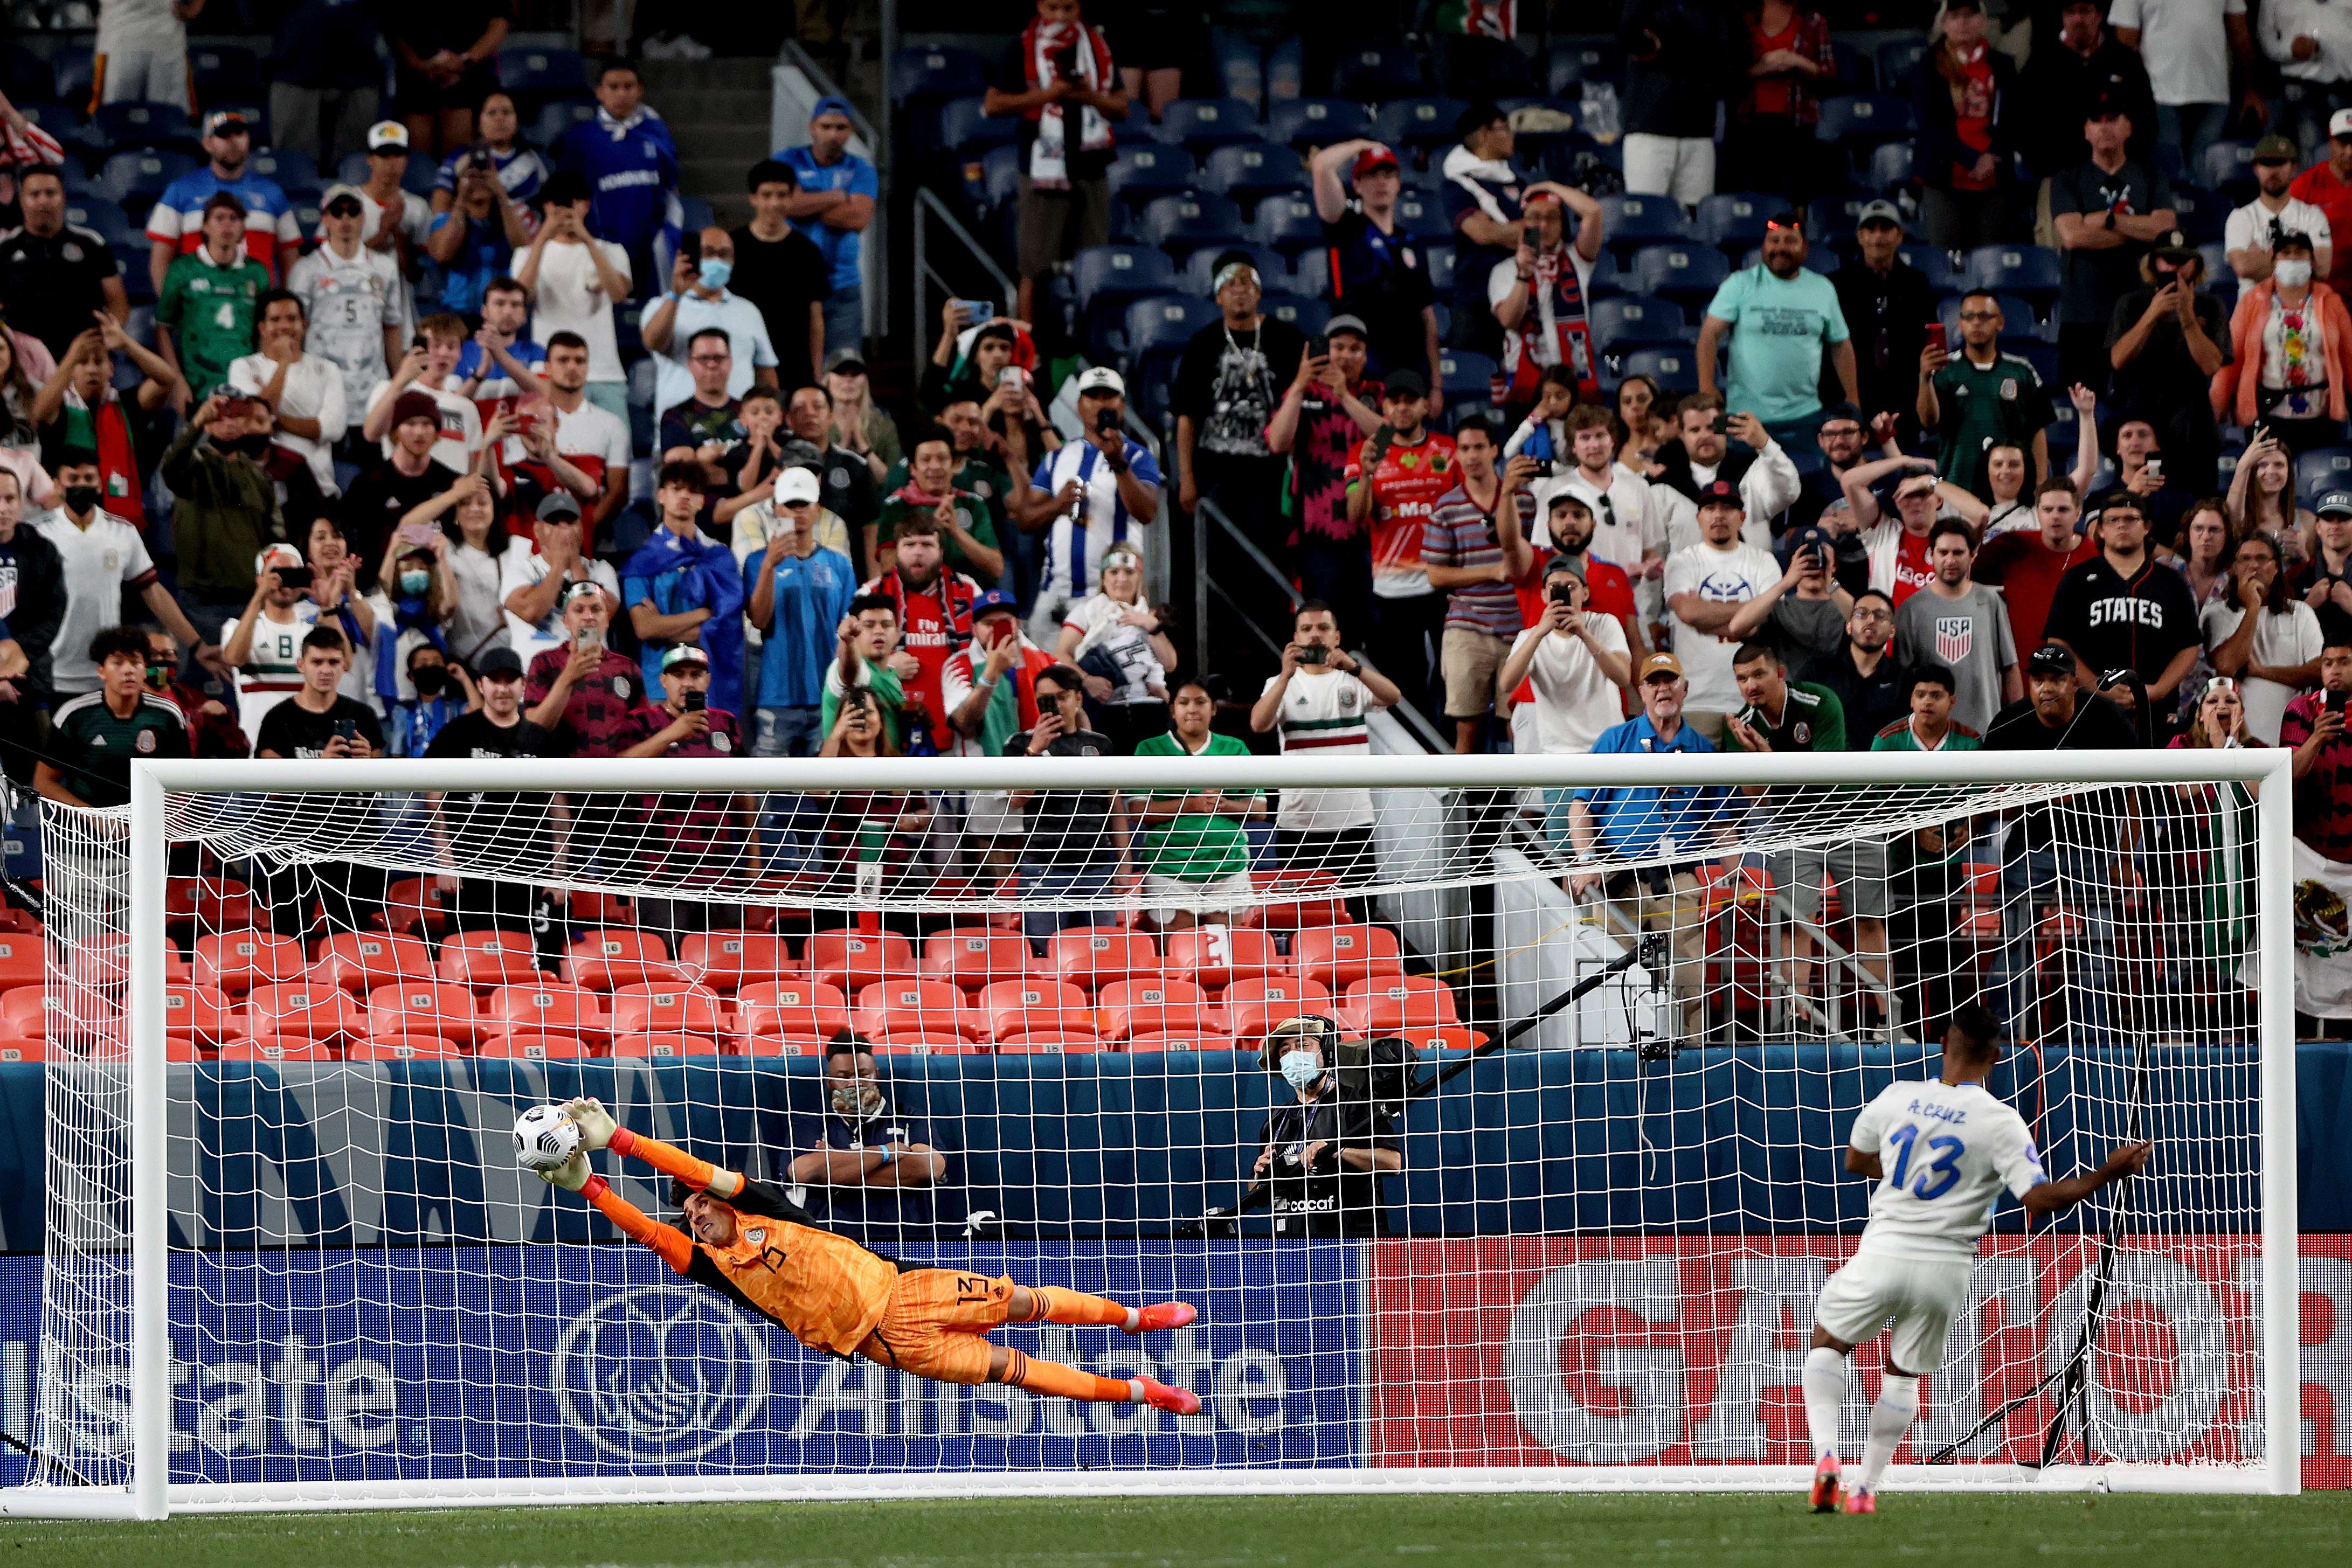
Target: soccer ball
544, 1138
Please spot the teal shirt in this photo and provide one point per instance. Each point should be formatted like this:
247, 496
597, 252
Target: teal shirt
1779, 327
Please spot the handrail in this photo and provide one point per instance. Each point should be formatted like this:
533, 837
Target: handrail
928, 209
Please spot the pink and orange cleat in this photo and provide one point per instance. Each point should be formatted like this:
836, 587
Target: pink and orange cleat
1162, 1397
1825, 1496
1162, 1315
1860, 1501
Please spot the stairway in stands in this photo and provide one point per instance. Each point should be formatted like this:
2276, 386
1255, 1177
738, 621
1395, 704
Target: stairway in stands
717, 112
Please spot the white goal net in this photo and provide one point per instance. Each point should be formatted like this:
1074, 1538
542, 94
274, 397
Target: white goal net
1553, 1215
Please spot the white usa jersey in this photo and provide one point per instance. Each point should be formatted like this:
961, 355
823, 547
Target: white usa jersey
1947, 1149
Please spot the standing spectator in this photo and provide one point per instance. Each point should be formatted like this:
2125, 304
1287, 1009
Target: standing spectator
2124, 609
466, 517
796, 593
984, 709
1116, 641
224, 509
445, 63
33, 598
862, 426
1086, 496
1322, 700
142, 53
212, 730
574, 280
397, 221
630, 163
699, 301
1962, 625
1870, 682
2082, 65
1579, 669
432, 692
479, 826
1982, 398
1227, 385
1764, 474
316, 720
500, 153
1393, 480
1379, 276
353, 299
932, 609
209, 305
54, 274
1194, 852
1705, 584
682, 589
1964, 94
1057, 76
780, 270
2140, 467
2315, 727
583, 685
1929, 725
710, 415
2254, 228
388, 490
970, 359
429, 368
1076, 840
2166, 339
845, 479
1538, 296
1629, 517
1790, 63
535, 586
326, 79
264, 646
967, 536
2026, 564
2261, 637
2107, 212
1483, 203
1325, 414
80, 407
690, 838
1679, 52
1474, 547
2289, 354
2328, 185
1841, 440
499, 365
592, 442
265, 218
2311, 48
98, 735
1887, 304
837, 191
1569, 526
2190, 46
476, 240
1804, 613
303, 393
1791, 314
1895, 548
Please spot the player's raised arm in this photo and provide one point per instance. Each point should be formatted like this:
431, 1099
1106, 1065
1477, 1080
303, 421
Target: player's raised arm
2052, 1197
598, 1130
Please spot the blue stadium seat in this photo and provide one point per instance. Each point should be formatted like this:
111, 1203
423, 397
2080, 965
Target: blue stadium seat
1895, 60
105, 218
62, 120
1197, 124
1680, 270
130, 124
1121, 272
2043, 356
225, 74
1636, 220
1000, 178
1831, 220
1607, 277
1460, 412
1578, 60
1735, 220
1629, 322
130, 260
1376, 73
1674, 370
136, 179
2029, 270
548, 126
1248, 171
695, 212
80, 182
1300, 310
1167, 321
1891, 167
2204, 215
1423, 217
2321, 469
1466, 373
292, 170
24, 75
964, 129
1936, 263
1289, 224
1857, 72
2226, 163
936, 75
1865, 119
1143, 171
74, 71
1418, 121
544, 76
1200, 270
2167, 161
1304, 122
1439, 259
1310, 270
2018, 315
1186, 223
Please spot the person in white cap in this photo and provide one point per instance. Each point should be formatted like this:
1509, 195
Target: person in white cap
398, 220
264, 646
1086, 496
794, 597
355, 297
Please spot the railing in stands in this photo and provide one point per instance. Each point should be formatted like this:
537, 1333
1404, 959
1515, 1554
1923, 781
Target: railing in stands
929, 211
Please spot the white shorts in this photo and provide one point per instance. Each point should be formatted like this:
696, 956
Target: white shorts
1165, 897
1924, 1299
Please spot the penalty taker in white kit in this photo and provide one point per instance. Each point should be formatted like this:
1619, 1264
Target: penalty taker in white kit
754, 1244
1940, 1153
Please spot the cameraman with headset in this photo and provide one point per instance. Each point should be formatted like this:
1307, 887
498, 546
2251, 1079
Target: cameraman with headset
1323, 1152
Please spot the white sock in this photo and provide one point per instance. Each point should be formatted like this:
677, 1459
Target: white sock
1897, 1407
1824, 1386
1135, 1395
1134, 1320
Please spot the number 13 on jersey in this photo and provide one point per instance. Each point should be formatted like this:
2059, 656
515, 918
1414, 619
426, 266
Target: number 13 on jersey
1942, 1153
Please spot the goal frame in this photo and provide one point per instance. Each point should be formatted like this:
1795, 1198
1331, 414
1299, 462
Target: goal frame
149, 1493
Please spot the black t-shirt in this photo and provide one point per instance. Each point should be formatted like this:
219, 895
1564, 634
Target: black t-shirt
783, 278
884, 1218
1870, 702
51, 284
2099, 725
1229, 383
2113, 622
376, 502
1069, 826
2163, 383
2091, 281
1012, 75
1384, 280
428, 27
1331, 1199
505, 829
1888, 314
289, 729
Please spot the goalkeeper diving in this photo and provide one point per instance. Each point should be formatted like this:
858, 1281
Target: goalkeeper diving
755, 1245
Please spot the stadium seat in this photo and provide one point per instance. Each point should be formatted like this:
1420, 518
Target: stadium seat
1465, 373
1935, 263
1182, 1039
1108, 277
1831, 220
1684, 270
1092, 957
663, 1047
1168, 321
425, 1007
1418, 122
536, 76
1216, 955
1732, 221
967, 131
1250, 171
360, 960
24, 75
555, 120
484, 959
1253, 1006
74, 71
1146, 170
2321, 469
549, 1006
1299, 898
610, 957
1442, 1037
1032, 1005
1305, 311
200, 1012
1304, 122
2029, 271
412, 905
936, 75
1891, 166
791, 1007
1311, 271
1048, 1042
275, 1047
1374, 73
1674, 370
1631, 321
1162, 1004
2203, 215
106, 218
137, 179
1421, 216
1198, 124
155, 127
18, 1048
1288, 224
1895, 59
20, 959
401, 1048
974, 956
226, 75
655, 1007
535, 1048
1633, 222
23, 1009
1184, 223
726, 961
1575, 61
1199, 271
849, 960
293, 171
1389, 1002
810, 1045
302, 1008
1865, 119
588, 907
236, 961
1339, 955
2227, 164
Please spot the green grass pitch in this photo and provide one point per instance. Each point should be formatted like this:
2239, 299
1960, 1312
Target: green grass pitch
1719, 1530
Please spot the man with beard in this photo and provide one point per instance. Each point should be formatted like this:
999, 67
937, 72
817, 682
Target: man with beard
2254, 228
2124, 609
1761, 471
1792, 315
934, 608
1887, 303
1844, 442
1870, 686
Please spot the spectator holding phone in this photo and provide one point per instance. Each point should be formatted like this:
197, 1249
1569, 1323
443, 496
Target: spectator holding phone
574, 280
476, 238
691, 838
1227, 385
1539, 294
315, 720
1057, 76
2167, 341
2314, 726
1325, 414
867, 657
429, 368
1394, 481
1322, 700
264, 644
700, 302
533, 583
1475, 548
966, 534
796, 594
1579, 667
1804, 613
583, 691
1086, 496
1982, 399
1077, 840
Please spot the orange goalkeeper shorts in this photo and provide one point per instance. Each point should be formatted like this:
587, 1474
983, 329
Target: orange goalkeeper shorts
933, 1325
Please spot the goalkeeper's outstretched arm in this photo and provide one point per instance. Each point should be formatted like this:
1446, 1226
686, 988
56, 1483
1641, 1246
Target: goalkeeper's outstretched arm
599, 1131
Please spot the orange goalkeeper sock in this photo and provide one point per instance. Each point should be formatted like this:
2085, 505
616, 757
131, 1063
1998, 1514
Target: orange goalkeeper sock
1051, 1377
1055, 1305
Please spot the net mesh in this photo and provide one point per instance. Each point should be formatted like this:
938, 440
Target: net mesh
1579, 1173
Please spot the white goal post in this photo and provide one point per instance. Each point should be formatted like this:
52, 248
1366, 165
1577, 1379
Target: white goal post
1621, 1207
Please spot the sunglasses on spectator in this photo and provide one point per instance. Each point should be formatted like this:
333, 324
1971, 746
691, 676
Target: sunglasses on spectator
345, 208
1980, 315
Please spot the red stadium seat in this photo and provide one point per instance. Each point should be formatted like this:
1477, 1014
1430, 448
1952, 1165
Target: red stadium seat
1204, 1040
208, 902
536, 1047
1013, 1007
910, 1005
402, 1048
277, 1047
1098, 956
780, 1045
666, 1006
302, 1008
1152, 1006
850, 959
236, 961
1339, 955
1443, 1036
104, 961
924, 1042
203, 1013
20, 958
23, 1010
1253, 1006
551, 1007
612, 955
1389, 1004
1217, 956
18, 1048
973, 956
1049, 1042
360, 961
1303, 900
663, 1046
791, 1007
726, 961
588, 907
488, 959
425, 1007
412, 905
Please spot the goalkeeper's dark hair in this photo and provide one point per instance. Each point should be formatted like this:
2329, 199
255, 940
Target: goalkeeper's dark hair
1973, 1032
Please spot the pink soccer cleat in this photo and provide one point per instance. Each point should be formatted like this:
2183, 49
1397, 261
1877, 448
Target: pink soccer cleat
1860, 1500
1162, 1315
1825, 1485
1161, 1396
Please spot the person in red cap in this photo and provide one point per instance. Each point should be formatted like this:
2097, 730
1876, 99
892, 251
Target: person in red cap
1378, 274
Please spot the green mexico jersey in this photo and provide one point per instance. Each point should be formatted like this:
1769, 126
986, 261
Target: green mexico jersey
1194, 848
95, 747
1811, 719
1980, 408
1898, 737
212, 312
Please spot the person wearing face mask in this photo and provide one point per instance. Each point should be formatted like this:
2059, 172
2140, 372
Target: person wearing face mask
1323, 1151
699, 301
871, 1167
443, 691
2292, 338
411, 609
212, 729
2166, 340
99, 557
